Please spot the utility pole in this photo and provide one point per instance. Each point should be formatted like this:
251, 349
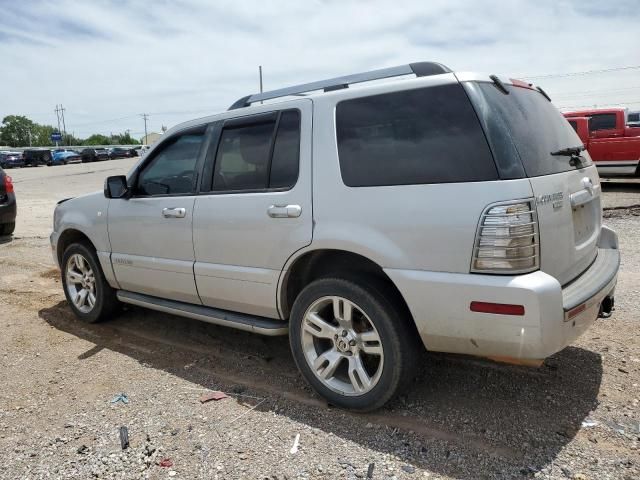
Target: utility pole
145, 116
260, 74
64, 127
57, 110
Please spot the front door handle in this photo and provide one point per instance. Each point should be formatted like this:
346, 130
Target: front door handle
174, 212
284, 211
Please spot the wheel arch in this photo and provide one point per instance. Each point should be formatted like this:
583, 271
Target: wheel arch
69, 236
319, 263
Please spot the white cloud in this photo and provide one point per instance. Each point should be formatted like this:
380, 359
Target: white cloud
113, 59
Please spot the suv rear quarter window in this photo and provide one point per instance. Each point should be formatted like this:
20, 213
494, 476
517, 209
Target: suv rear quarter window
421, 136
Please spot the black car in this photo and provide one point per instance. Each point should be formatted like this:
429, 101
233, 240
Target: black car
11, 159
120, 152
34, 157
94, 154
8, 207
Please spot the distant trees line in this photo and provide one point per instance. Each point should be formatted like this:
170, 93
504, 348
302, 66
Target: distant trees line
20, 131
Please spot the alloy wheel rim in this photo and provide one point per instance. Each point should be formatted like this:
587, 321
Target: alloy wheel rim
342, 346
81, 283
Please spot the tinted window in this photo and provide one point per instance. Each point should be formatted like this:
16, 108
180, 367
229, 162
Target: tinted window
602, 121
634, 117
525, 125
286, 151
242, 161
574, 125
172, 169
429, 135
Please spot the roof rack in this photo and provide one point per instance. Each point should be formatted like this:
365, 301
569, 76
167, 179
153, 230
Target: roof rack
419, 69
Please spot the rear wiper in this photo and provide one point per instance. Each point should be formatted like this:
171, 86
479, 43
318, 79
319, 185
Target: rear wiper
569, 151
573, 152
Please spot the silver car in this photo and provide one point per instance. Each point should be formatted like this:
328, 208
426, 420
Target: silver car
368, 217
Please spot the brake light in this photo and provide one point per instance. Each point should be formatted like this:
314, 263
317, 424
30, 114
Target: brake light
8, 184
498, 308
507, 239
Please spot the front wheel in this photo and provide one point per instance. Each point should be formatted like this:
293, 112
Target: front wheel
89, 295
351, 343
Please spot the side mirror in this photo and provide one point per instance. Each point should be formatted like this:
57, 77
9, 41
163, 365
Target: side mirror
116, 187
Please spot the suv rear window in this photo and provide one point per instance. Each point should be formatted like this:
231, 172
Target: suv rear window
525, 125
427, 135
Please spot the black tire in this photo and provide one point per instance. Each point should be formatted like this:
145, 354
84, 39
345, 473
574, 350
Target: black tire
106, 303
7, 228
397, 337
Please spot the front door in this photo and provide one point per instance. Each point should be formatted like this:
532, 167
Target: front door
151, 232
254, 208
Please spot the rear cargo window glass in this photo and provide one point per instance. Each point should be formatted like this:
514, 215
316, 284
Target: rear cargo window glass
427, 135
602, 121
524, 124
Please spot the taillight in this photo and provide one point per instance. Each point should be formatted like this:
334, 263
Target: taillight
507, 239
8, 184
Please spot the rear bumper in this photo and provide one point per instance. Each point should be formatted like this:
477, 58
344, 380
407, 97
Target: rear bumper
553, 316
8, 209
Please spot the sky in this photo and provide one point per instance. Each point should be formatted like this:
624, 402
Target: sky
108, 61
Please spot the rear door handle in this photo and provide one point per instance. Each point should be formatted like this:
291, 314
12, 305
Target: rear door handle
284, 211
174, 212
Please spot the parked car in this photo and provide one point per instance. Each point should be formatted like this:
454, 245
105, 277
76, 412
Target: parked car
36, 156
422, 212
8, 207
119, 152
612, 144
136, 150
142, 150
11, 160
94, 154
63, 157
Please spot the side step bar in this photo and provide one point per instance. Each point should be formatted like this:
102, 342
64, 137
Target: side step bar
241, 321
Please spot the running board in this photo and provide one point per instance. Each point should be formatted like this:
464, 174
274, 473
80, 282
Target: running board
240, 321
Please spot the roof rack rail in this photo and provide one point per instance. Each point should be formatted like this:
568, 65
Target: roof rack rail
419, 69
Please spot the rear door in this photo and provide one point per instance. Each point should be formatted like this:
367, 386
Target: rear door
524, 124
254, 208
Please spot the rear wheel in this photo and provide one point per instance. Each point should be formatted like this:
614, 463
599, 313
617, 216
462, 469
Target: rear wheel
89, 295
351, 343
7, 228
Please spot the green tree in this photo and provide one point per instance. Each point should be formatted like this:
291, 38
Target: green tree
15, 131
124, 139
97, 139
41, 135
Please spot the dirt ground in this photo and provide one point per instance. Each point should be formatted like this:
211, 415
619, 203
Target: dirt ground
575, 417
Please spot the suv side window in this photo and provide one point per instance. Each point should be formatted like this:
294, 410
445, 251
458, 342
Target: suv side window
602, 121
286, 151
172, 171
426, 135
258, 153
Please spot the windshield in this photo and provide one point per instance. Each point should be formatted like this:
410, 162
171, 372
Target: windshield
524, 125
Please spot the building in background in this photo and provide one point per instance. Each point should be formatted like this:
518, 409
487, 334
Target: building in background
150, 138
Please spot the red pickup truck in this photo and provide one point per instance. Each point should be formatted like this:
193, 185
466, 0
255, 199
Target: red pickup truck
613, 145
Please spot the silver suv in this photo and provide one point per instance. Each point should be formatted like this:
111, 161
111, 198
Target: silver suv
368, 217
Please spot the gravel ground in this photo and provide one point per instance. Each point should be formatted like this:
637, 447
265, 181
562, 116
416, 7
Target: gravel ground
575, 417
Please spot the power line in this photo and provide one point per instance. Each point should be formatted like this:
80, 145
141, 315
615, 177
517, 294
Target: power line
586, 72
602, 105
582, 93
